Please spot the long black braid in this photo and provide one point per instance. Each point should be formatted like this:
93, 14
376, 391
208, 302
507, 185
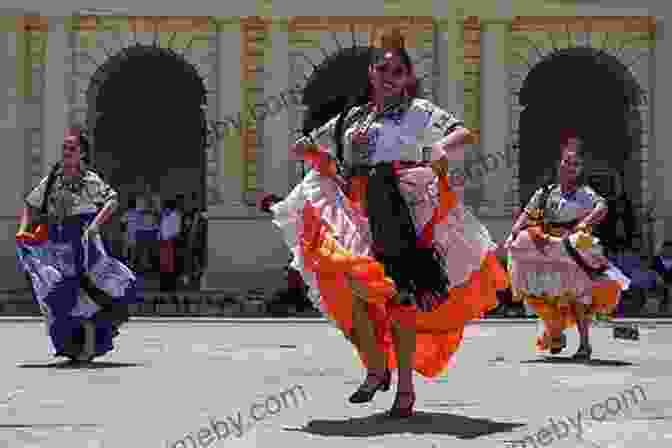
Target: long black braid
50, 184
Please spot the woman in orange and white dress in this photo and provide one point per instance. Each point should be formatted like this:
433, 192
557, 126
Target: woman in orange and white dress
390, 254
557, 267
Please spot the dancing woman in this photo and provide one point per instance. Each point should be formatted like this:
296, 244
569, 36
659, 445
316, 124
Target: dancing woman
390, 254
82, 291
556, 265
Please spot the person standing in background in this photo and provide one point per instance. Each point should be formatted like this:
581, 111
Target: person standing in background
129, 222
169, 232
146, 233
156, 205
181, 248
195, 227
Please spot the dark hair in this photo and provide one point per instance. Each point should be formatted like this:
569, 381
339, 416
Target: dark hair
170, 204
364, 97
132, 202
50, 183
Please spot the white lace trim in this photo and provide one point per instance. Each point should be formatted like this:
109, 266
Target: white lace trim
460, 238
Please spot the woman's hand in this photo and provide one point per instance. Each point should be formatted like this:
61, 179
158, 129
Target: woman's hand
318, 157
440, 167
581, 227
358, 290
510, 240
91, 231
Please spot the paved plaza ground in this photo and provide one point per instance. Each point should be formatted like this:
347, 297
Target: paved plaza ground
272, 385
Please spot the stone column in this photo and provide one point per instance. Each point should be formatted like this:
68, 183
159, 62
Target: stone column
495, 125
450, 88
450, 85
57, 74
229, 96
275, 158
15, 169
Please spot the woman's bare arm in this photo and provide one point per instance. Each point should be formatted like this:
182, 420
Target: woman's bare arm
521, 222
447, 144
104, 215
26, 219
594, 217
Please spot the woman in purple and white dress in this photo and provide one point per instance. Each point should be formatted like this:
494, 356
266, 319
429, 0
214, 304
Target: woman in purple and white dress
82, 291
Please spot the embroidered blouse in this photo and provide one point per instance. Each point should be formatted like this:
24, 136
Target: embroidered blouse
87, 195
405, 132
564, 207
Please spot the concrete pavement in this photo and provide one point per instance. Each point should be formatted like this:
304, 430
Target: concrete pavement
221, 383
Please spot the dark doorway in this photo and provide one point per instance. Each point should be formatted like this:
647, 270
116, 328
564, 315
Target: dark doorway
146, 107
589, 91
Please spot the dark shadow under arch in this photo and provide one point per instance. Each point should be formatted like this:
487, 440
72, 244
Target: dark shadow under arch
146, 115
595, 94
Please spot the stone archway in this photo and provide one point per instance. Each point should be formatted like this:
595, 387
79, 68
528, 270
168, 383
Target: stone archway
595, 94
99, 44
628, 40
144, 128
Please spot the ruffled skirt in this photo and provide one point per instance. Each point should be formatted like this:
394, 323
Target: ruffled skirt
328, 233
553, 283
56, 267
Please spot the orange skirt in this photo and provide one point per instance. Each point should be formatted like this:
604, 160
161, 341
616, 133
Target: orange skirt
561, 316
439, 333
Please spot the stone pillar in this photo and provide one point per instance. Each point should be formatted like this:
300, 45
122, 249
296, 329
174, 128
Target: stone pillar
275, 158
229, 97
15, 169
450, 85
57, 72
495, 126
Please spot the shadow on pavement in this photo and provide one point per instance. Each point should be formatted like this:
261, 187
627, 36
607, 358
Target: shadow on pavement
79, 366
567, 360
421, 423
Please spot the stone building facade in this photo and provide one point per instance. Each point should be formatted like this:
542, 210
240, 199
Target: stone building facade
475, 67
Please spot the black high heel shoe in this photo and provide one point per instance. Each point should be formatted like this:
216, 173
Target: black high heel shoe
397, 411
367, 390
584, 353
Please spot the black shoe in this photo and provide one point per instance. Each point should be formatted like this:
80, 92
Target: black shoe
626, 333
400, 412
370, 386
584, 353
558, 344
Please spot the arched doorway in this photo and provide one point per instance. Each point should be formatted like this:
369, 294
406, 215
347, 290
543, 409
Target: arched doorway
146, 115
595, 94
